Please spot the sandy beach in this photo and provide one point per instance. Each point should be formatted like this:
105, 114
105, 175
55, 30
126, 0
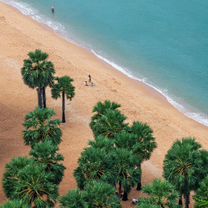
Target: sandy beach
18, 36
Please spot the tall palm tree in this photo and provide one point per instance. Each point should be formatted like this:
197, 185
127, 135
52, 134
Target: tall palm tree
63, 87
144, 146
47, 154
161, 194
201, 196
38, 73
182, 166
39, 127
31, 184
126, 171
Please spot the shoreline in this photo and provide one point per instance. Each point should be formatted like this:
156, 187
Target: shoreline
182, 108
19, 35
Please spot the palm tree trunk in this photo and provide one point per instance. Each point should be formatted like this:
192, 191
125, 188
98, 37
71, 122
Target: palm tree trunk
44, 97
180, 202
63, 107
187, 192
39, 97
125, 196
119, 188
139, 184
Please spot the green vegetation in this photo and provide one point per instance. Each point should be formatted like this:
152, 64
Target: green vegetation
15, 204
96, 195
39, 127
29, 183
107, 121
161, 193
63, 87
46, 153
183, 167
201, 196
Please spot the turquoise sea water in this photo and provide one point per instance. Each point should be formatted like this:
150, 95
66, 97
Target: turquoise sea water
163, 43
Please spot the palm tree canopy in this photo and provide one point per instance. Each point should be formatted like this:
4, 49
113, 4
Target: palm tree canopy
183, 159
12, 169
161, 193
201, 196
15, 204
39, 127
47, 153
95, 164
126, 168
97, 194
100, 107
74, 199
37, 71
63, 84
145, 143
107, 120
109, 124
31, 184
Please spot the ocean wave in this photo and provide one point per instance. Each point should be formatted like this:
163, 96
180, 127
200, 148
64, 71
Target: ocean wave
58, 27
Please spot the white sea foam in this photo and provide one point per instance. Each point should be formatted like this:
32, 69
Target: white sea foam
58, 27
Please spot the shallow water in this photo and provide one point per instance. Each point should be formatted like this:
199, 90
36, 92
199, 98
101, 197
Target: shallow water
163, 43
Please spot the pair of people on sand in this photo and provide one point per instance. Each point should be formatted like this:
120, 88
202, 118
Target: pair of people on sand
89, 82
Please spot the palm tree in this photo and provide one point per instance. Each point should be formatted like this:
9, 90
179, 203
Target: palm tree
47, 153
109, 124
201, 196
126, 171
99, 194
63, 87
144, 146
74, 199
182, 166
95, 164
39, 127
38, 73
96, 194
101, 108
15, 204
107, 120
12, 169
161, 194
31, 184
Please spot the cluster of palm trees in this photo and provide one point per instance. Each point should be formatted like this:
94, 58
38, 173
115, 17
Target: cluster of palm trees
109, 168
33, 181
115, 156
39, 73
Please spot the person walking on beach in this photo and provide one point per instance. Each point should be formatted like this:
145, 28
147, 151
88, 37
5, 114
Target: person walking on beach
52, 10
89, 78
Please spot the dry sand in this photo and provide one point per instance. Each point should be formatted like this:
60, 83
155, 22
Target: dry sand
18, 36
